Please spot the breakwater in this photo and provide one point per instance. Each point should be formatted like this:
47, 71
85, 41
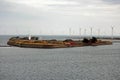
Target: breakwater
34, 42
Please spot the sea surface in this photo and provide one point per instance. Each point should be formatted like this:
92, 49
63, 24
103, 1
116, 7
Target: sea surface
78, 63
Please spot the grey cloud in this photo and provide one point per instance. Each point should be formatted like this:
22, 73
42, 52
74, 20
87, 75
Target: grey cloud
13, 9
112, 1
96, 1
62, 5
6, 6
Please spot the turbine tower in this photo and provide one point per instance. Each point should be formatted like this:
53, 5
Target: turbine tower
80, 31
70, 31
84, 32
98, 32
112, 32
91, 32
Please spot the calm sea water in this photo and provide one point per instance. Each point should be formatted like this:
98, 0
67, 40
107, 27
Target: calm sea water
80, 63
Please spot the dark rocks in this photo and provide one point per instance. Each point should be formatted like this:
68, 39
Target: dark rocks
68, 40
93, 40
85, 40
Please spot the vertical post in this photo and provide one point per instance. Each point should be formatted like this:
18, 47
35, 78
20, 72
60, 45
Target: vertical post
80, 32
112, 32
73, 33
91, 32
98, 32
85, 32
69, 31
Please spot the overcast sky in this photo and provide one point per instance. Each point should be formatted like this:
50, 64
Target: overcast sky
55, 17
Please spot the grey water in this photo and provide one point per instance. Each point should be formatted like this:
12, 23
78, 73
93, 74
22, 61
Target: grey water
79, 63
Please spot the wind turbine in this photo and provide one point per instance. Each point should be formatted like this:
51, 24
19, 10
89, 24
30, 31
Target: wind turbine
80, 32
70, 31
91, 32
98, 32
84, 32
112, 28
